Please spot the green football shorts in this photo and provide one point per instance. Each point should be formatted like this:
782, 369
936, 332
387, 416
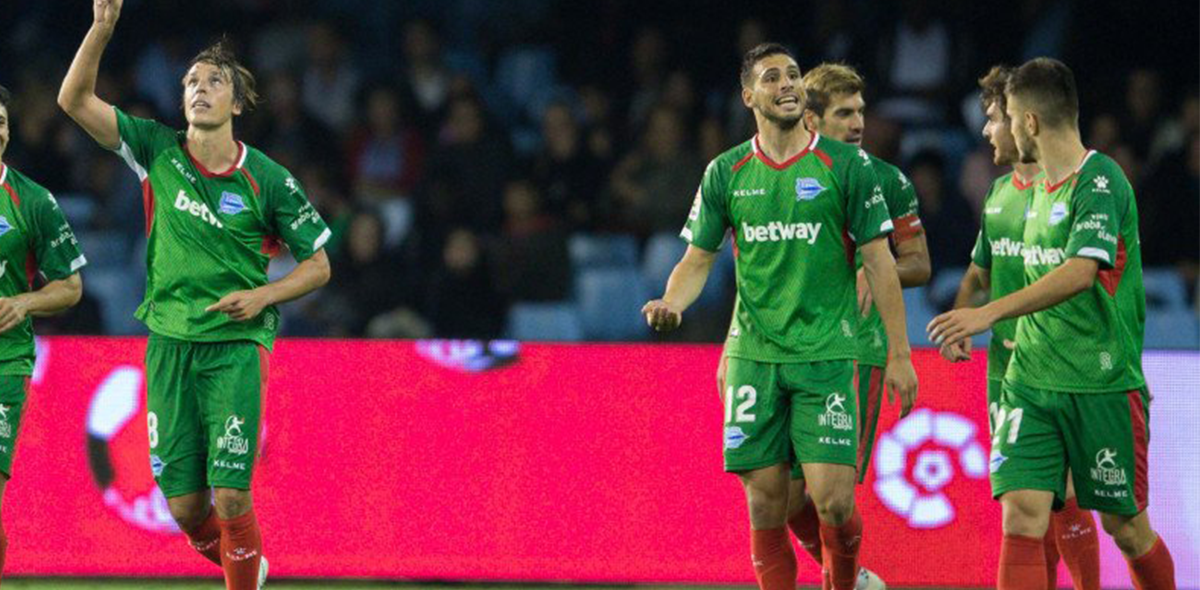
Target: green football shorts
204, 403
789, 413
1103, 438
870, 403
14, 389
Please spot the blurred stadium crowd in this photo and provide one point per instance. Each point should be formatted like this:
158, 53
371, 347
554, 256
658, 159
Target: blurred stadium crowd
522, 168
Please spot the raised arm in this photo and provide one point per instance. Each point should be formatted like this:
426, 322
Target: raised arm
78, 93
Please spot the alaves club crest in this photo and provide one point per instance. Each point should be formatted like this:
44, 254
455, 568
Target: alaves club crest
807, 189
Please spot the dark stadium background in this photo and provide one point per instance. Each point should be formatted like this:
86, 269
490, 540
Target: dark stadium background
521, 168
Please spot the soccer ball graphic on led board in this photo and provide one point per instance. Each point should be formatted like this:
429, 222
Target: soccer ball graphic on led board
938, 445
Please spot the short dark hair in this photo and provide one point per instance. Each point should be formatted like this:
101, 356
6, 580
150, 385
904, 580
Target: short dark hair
992, 86
759, 53
1050, 85
221, 55
5, 97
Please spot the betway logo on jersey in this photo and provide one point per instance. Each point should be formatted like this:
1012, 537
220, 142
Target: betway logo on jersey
1006, 247
1038, 255
778, 231
197, 209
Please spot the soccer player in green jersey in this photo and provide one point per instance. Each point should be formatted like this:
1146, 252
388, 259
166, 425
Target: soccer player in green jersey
215, 208
1074, 401
797, 204
835, 108
997, 268
34, 239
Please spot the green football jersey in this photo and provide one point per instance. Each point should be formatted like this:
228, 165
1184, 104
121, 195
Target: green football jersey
1092, 342
212, 233
998, 249
34, 238
794, 226
901, 200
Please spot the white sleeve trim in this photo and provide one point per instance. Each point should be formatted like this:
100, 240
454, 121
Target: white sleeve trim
321, 239
887, 225
686, 234
126, 154
78, 263
1095, 253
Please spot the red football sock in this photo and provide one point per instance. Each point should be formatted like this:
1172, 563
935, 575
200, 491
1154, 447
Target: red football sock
1050, 549
241, 551
1077, 541
1022, 564
1155, 570
774, 560
807, 528
206, 539
841, 544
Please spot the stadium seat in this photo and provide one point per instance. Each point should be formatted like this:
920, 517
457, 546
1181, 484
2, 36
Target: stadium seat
602, 251
661, 254
919, 312
118, 296
78, 208
106, 249
544, 321
1172, 329
1164, 290
610, 300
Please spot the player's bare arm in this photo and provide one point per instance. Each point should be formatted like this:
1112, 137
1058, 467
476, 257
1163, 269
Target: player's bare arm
683, 287
880, 270
77, 97
1060, 284
912, 266
308, 276
53, 298
975, 281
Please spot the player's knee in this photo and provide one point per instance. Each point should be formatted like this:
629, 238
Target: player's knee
1023, 518
189, 517
1125, 533
768, 509
232, 503
836, 508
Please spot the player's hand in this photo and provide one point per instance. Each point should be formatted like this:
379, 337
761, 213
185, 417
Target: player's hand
661, 316
958, 324
956, 352
106, 12
721, 366
864, 293
901, 379
240, 306
12, 313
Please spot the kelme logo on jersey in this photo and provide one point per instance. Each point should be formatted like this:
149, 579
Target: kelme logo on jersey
1106, 470
231, 203
1058, 212
233, 441
807, 189
778, 231
196, 209
835, 415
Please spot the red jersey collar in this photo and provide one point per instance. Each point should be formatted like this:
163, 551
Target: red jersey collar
792, 160
241, 159
1053, 187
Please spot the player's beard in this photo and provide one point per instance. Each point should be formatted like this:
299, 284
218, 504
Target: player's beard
783, 122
